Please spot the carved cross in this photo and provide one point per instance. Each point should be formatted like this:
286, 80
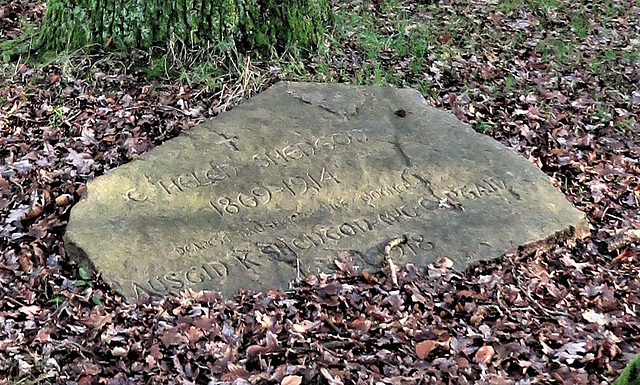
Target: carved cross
228, 141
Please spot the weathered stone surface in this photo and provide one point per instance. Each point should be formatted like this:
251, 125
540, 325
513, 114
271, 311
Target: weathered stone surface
300, 172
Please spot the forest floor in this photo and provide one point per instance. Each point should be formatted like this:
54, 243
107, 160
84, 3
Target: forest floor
556, 80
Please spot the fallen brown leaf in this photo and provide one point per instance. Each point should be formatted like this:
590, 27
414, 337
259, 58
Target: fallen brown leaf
424, 348
484, 354
291, 380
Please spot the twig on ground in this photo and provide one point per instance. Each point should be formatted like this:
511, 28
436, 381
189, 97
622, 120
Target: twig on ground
395, 242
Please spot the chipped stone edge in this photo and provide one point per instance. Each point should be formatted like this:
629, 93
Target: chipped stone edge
572, 232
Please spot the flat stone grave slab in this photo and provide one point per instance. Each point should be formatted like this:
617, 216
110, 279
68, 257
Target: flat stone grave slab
300, 173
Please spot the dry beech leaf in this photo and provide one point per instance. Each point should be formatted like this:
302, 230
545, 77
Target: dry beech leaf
484, 354
333, 380
291, 380
34, 212
368, 277
30, 310
86, 380
305, 326
627, 255
155, 352
595, 317
42, 336
256, 350
360, 324
633, 235
237, 370
442, 262
119, 351
476, 319
25, 263
424, 348
64, 200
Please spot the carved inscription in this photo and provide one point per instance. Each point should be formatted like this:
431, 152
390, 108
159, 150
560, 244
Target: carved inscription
174, 282
192, 248
421, 209
310, 182
286, 251
179, 184
216, 172
474, 191
308, 148
302, 184
415, 245
225, 205
369, 197
197, 178
257, 226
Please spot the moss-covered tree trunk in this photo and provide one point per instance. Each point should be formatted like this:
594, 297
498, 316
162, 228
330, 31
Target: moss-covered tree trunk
259, 25
631, 375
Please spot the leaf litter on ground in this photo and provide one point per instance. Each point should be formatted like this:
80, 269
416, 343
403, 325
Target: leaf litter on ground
559, 84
